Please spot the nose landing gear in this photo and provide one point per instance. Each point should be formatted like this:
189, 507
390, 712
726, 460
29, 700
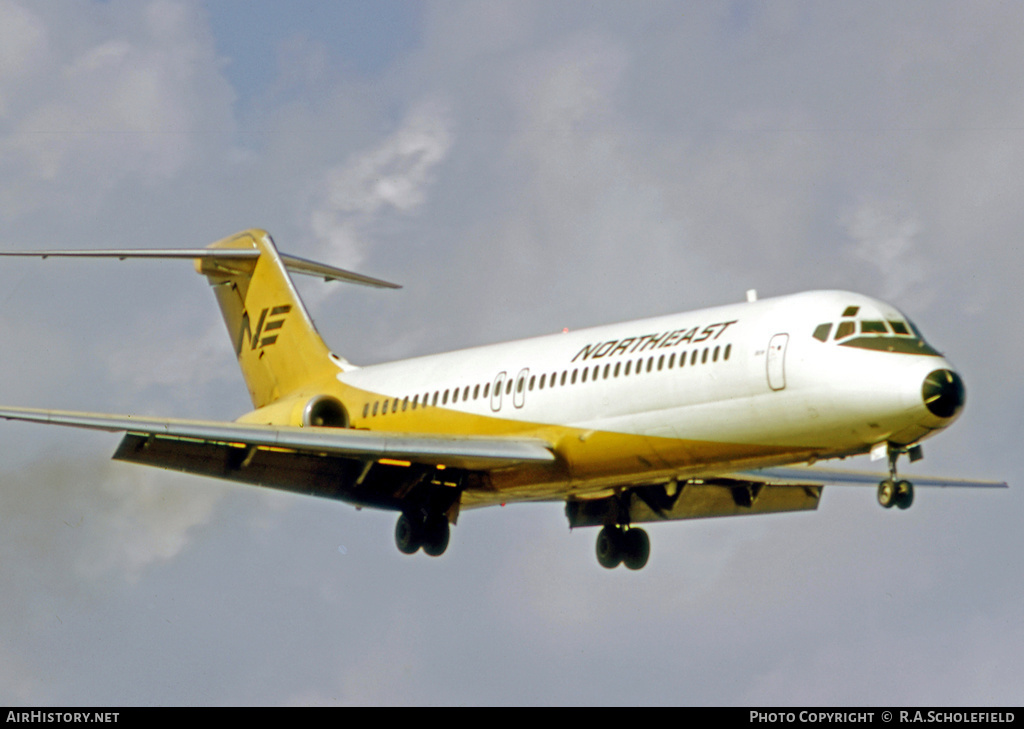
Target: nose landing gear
895, 493
892, 491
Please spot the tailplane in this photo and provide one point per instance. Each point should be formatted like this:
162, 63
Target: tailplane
278, 348
277, 345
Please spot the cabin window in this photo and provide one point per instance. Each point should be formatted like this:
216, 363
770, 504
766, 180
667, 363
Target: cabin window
728, 349
533, 379
375, 403
476, 392
366, 409
616, 372
671, 360
704, 357
487, 388
629, 364
435, 398
584, 377
822, 331
693, 357
573, 380
564, 373
714, 356
405, 403
542, 378
682, 359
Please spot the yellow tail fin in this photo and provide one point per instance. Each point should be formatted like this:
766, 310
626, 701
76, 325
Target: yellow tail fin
278, 347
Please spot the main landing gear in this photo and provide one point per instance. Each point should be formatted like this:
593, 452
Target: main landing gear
892, 491
623, 545
429, 531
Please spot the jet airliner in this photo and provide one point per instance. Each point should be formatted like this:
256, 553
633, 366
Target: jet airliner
716, 412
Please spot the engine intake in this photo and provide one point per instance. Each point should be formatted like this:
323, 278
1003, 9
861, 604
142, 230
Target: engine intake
325, 411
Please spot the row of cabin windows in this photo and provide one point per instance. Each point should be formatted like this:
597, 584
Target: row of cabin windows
475, 392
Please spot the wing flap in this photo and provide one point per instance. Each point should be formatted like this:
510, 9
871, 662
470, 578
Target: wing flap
465, 452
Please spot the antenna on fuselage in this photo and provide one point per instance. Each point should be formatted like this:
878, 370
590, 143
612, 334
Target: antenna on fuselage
751, 295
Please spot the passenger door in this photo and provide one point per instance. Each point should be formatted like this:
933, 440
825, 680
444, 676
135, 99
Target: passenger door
519, 393
496, 388
777, 361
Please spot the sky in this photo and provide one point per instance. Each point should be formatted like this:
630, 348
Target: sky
518, 167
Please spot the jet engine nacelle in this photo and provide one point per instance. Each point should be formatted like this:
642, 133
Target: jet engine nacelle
318, 411
324, 411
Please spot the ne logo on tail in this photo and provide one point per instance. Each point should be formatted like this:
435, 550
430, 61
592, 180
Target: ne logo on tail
271, 320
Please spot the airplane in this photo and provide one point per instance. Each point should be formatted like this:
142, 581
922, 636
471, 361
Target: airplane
716, 412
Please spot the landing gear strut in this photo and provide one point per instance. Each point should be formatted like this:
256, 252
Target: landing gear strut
892, 491
623, 545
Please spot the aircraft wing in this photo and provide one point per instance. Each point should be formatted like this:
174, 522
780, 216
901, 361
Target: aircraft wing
463, 452
813, 476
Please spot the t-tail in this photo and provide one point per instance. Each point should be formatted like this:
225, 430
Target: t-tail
279, 349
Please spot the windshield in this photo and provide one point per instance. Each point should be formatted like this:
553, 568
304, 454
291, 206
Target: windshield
883, 335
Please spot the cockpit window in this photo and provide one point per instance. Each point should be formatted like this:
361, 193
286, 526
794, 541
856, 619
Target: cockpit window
851, 311
845, 329
899, 327
873, 327
822, 331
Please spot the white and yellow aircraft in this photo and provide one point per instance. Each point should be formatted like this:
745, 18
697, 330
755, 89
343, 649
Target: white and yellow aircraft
704, 413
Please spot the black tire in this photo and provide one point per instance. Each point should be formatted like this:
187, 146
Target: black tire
407, 537
637, 549
436, 534
887, 493
608, 548
904, 494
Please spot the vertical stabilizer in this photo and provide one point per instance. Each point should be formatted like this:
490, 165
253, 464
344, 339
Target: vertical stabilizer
278, 348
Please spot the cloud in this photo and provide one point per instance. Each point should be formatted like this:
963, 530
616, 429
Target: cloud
885, 237
121, 519
23, 45
135, 99
392, 178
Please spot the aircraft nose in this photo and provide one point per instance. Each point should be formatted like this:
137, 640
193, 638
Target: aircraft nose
943, 393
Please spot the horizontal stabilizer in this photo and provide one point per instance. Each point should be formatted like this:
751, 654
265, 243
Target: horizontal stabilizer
294, 264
